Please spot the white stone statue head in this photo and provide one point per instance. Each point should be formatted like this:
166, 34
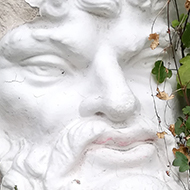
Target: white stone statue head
76, 105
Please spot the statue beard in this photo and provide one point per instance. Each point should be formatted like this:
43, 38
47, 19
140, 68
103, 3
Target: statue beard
67, 162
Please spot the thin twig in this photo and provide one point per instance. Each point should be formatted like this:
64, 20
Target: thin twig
181, 34
173, 51
177, 10
157, 17
188, 180
159, 122
186, 21
179, 180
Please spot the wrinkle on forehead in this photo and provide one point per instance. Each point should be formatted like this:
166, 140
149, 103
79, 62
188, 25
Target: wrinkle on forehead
57, 8
105, 8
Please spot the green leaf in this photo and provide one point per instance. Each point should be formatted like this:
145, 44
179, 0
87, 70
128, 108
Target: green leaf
180, 92
175, 23
188, 123
186, 37
183, 18
179, 128
161, 71
184, 72
186, 110
185, 60
188, 143
181, 161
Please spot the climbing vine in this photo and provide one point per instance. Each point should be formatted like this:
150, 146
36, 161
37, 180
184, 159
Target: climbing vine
179, 40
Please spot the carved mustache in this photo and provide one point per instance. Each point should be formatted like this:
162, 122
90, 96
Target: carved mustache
68, 149
77, 136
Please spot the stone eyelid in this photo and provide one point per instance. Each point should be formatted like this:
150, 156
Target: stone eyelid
51, 61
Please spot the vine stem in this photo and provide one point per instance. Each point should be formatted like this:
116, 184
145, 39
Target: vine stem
173, 51
188, 180
157, 17
177, 11
186, 20
181, 33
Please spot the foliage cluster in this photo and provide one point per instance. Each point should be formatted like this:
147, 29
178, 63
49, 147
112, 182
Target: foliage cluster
177, 29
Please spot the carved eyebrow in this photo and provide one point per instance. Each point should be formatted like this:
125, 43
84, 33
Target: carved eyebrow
16, 47
20, 50
72, 51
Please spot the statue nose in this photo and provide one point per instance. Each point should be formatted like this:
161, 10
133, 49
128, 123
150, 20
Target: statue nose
117, 110
113, 97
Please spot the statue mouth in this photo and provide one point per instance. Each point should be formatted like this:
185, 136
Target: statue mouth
126, 156
132, 146
128, 147
126, 139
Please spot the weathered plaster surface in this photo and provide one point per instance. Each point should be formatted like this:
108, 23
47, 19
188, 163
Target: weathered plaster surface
14, 13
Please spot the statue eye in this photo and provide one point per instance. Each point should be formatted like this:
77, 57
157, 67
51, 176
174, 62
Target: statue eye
45, 70
42, 74
47, 65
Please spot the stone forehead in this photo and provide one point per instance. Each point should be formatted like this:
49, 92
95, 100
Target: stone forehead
104, 8
91, 3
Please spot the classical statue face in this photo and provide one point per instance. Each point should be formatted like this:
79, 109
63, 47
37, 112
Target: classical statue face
76, 106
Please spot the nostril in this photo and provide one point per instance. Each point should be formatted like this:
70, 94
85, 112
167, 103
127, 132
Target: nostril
120, 110
99, 113
115, 109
